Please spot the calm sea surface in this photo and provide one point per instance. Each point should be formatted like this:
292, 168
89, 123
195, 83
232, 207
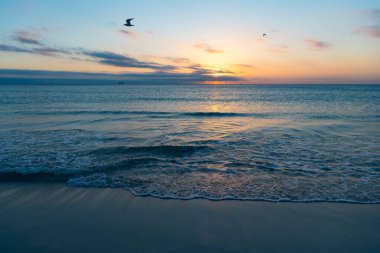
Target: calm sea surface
275, 143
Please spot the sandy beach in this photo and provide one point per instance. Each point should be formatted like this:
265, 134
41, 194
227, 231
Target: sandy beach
58, 218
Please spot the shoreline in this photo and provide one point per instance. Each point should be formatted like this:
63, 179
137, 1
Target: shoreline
58, 218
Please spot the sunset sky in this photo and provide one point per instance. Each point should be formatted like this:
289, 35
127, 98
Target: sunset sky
200, 41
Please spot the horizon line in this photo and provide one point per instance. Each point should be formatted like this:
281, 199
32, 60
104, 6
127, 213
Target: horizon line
25, 76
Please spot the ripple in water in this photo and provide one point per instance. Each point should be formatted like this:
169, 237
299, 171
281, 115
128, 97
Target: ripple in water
277, 149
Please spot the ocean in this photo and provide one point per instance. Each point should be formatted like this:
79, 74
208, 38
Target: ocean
299, 143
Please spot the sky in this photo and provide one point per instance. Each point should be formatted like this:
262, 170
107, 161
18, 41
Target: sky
198, 41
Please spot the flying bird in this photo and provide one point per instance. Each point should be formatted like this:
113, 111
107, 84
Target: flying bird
128, 22
264, 35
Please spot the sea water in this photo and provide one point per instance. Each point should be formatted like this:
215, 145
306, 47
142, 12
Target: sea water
247, 142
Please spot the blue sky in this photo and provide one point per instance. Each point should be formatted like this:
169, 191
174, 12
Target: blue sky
215, 41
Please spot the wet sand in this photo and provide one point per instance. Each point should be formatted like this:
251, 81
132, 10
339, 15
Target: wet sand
57, 218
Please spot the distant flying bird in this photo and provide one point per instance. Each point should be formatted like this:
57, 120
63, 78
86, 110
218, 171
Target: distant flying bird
264, 35
128, 22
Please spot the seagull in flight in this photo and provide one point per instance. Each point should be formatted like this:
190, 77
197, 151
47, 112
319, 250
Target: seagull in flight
264, 35
128, 22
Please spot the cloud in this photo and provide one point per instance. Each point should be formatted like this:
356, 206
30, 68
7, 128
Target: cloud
207, 48
27, 40
118, 60
317, 45
283, 46
28, 37
174, 65
244, 65
208, 70
10, 48
128, 78
48, 51
114, 59
178, 60
372, 13
375, 13
128, 33
371, 31
43, 50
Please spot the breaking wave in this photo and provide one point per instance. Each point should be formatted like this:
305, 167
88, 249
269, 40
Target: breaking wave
272, 143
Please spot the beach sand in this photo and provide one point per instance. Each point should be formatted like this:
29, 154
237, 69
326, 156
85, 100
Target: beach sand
57, 218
